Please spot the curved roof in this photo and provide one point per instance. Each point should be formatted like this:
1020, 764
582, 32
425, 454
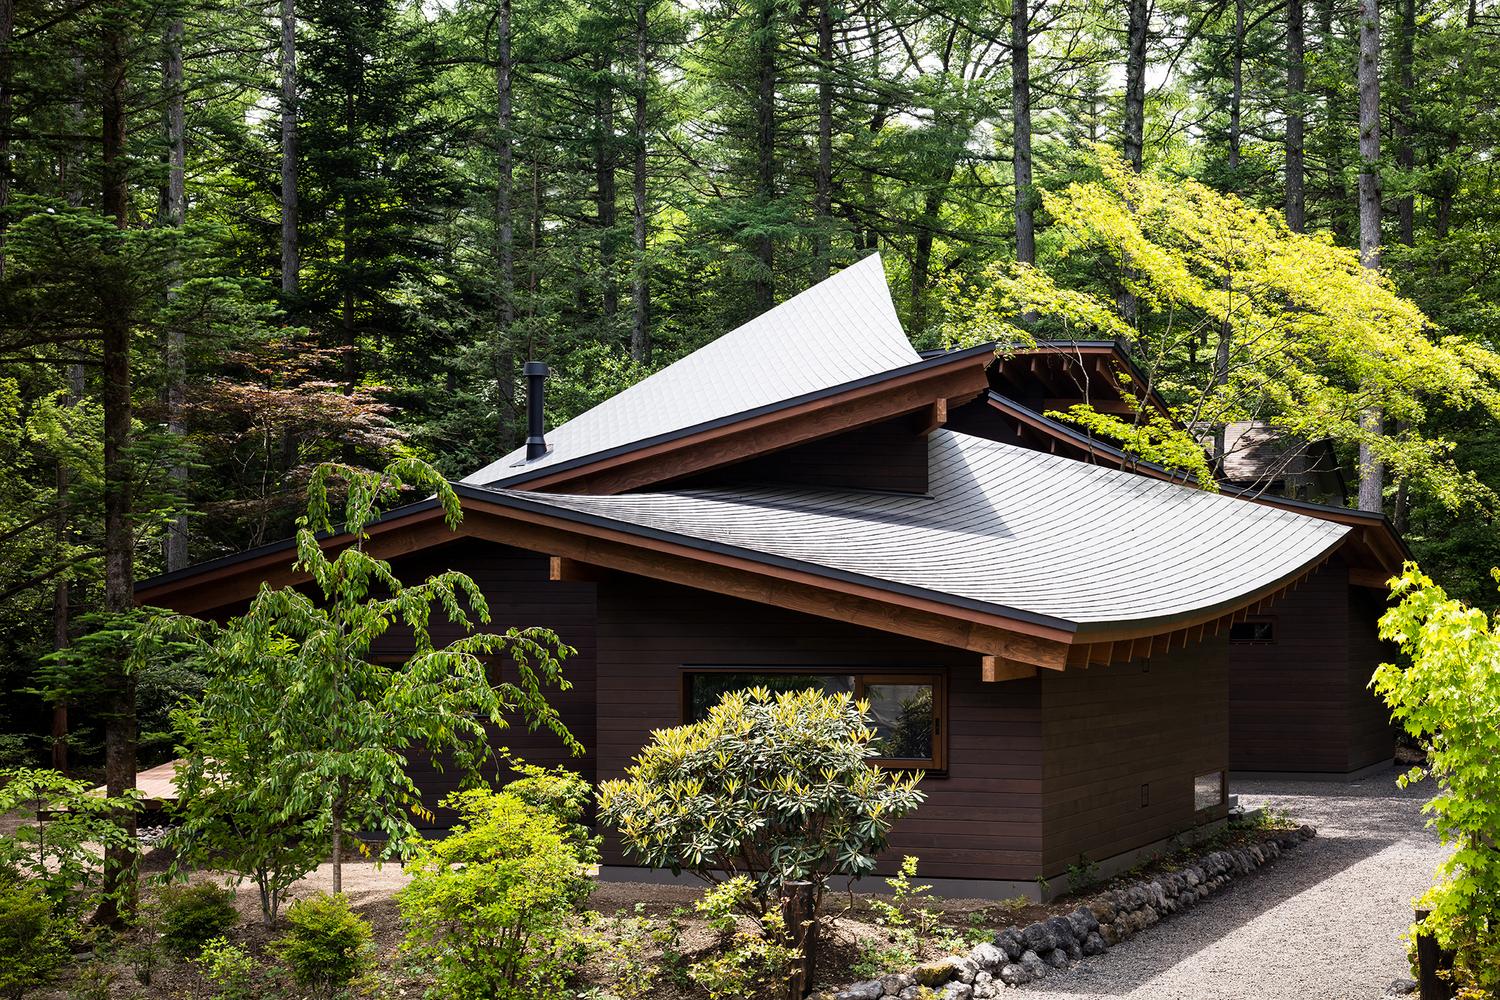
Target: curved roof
1004, 529
839, 331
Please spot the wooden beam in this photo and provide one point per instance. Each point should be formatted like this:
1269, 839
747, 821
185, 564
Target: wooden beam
1101, 653
997, 668
562, 569
1374, 579
932, 417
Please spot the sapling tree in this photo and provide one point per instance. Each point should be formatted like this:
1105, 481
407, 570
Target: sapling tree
304, 732
1448, 697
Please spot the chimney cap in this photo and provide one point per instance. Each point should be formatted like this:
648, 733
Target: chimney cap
535, 368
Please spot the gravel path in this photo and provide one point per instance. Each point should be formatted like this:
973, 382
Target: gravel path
1321, 923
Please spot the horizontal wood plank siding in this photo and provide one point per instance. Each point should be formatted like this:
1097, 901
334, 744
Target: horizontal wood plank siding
1371, 738
983, 820
1109, 730
888, 456
520, 593
1290, 699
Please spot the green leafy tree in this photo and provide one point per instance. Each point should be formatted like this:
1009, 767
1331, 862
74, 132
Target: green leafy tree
1448, 696
318, 726
489, 905
775, 787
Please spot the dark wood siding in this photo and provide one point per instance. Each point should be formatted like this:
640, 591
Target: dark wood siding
1109, 730
1289, 708
982, 820
1300, 703
1371, 739
520, 594
888, 456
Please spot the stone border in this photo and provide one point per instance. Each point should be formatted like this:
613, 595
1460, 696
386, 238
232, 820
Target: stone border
1019, 955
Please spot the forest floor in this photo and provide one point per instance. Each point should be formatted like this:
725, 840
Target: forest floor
1324, 921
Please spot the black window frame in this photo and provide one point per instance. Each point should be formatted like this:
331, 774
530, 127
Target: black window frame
863, 677
1265, 620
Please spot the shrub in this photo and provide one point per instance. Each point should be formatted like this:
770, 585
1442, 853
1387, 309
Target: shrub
229, 967
327, 945
562, 794
62, 845
32, 942
193, 914
1448, 697
489, 904
746, 963
775, 787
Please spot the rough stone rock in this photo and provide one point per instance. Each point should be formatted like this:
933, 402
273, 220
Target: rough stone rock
1102, 909
984, 986
987, 957
1148, 916
1062, 929
1012, 974
1083, 921
936, 973
1009, 941
913, 993
1039, 938
1094, 944
1074, 949
1109, 933
1306, 832
1185, 900
1032, 963
957, 991
1401, 988
1057, 958
895, 983
871, 989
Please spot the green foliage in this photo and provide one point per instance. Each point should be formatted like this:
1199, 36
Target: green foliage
61, 839
560, 793
228, 967
192, 915
639, 952
1082, 874
746, 963
33, 939
774, 787
314, 727
1448, 696
489, 905
327, 946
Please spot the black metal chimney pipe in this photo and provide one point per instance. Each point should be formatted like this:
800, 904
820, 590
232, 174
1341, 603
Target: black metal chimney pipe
536, 374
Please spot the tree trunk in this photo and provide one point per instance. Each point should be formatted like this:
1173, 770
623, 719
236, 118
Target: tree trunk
640, 284
1296, 116
347, 318
921, 263
1020, 72
7, 102
823, 182
62, 635
765, 150
1135, 83
1448, 178
176, 352
1333, 154
1371, 469
290, 259
1369, 133
505, 290
1406, 157
337, 822
604, 166
119, 536
1236, 93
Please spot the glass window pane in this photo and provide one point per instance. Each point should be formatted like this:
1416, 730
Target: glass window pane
707, 688
901, 715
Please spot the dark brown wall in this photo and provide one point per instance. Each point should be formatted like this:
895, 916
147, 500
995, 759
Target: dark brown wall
888, 456
1371, 738
1109, 730
1299, 704
520, 594
983, 820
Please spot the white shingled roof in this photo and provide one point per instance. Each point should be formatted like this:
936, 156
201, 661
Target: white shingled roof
1003, 528
839, 331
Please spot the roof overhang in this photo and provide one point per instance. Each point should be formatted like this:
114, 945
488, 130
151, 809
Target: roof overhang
957, 376
1013, 638
1375, 550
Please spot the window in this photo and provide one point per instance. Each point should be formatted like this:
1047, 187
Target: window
1208, 790
1253, 630
905, 709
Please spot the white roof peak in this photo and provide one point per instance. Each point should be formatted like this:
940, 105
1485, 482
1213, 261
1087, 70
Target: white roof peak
840, 330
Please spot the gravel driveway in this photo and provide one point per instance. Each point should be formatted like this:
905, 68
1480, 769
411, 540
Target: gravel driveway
1321, 923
